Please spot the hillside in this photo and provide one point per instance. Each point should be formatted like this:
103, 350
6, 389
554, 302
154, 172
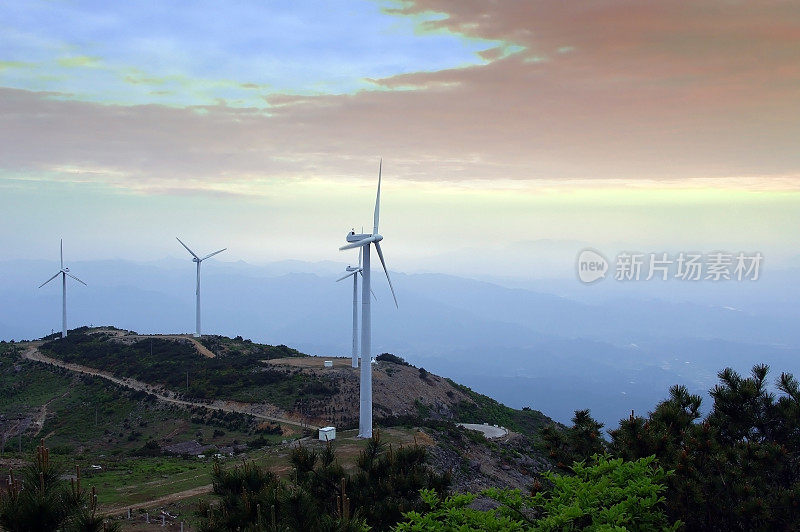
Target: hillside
118, 402
281, 380
118, 405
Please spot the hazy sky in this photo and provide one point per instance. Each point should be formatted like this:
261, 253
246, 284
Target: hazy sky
507, 128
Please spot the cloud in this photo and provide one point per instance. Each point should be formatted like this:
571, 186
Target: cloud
218, 51
6, 65
80, 61
609, 90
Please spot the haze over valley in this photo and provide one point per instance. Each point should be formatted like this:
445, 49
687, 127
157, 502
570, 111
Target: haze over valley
610, 347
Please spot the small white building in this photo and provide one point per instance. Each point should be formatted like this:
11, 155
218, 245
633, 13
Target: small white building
328, 363
327, 433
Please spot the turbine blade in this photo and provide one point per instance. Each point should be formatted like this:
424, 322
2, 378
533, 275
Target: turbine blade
84, 284
212, 254
50, 279
360, 250
62, 253
343, 277
187, 248
383, 263
378, 200
362, 242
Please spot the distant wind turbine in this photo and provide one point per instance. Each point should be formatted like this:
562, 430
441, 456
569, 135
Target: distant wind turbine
63, 272
198, 260
364, 240
354, 271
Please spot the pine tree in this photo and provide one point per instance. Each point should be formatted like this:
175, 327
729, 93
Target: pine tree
38, 500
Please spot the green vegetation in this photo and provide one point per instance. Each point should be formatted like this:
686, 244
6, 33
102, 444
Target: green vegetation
394, 359
320, 495
88, 415
584, 438
388, 481
486, 410
136, 480
97, 423
224, 346
237, 373
606, 495
736, 469
39, 500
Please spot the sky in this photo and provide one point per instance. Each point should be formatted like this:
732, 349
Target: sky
509, 131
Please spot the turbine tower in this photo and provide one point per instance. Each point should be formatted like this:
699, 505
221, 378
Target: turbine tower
198, 260
64, 273
363, 241
355, 271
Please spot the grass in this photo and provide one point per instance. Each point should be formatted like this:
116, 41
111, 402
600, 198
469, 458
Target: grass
137, 480
24, 386
131, 481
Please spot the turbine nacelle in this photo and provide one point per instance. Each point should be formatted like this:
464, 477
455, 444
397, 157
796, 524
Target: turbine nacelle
360, 242
353, 237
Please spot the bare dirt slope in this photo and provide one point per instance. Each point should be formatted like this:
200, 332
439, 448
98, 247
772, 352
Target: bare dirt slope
398, 390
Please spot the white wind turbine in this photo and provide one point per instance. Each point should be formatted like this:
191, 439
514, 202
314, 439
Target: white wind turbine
63, 272
354, 271
364, 241
198, 260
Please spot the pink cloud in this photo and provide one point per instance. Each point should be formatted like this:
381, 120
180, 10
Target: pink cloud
656, 90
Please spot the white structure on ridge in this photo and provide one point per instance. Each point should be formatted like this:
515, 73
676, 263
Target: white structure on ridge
327, 434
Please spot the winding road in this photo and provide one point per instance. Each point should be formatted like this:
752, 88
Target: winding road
256, 410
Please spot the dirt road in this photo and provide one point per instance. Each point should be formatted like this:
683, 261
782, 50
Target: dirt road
160, 501
260, 411
128, 338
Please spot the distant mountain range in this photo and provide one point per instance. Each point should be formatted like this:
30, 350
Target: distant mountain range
554, 345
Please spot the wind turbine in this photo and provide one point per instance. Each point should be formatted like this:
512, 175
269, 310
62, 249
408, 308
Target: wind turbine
363, 241
355, 271
63, 272
198, 260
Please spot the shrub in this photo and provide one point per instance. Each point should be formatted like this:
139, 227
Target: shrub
394, 359
610, 494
